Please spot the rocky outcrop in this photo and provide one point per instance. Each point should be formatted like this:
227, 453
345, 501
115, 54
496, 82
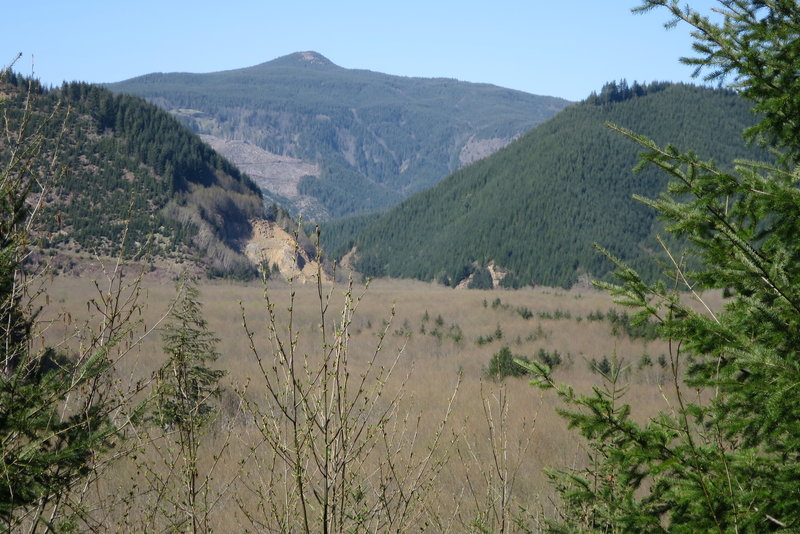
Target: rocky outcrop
270, 245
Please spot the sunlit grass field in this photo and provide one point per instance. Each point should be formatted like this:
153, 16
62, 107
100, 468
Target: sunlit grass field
445, 339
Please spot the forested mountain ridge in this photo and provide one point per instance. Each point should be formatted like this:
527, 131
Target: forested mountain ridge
536, 207
370, 139
132, 176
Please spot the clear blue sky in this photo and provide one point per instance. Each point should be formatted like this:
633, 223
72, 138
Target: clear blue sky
565, 49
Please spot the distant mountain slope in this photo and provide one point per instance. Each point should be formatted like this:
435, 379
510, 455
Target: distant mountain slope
536, 207
372, 138
134, 177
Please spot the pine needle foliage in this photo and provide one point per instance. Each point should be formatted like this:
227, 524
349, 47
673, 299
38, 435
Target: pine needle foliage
725, 456
56, 407
757, 47
186, 384
185, 391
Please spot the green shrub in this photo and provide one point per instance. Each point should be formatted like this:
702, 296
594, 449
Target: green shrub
502, 365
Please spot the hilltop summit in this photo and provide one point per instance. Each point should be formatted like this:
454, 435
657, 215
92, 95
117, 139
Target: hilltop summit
307, 58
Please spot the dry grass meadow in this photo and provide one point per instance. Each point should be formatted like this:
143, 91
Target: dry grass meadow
499, 436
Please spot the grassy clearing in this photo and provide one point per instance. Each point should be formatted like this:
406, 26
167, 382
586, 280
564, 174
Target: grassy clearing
442, 333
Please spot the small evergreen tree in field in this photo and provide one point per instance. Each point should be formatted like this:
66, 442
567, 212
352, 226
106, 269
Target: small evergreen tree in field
550, 359
727, 459
186, 387
503, 364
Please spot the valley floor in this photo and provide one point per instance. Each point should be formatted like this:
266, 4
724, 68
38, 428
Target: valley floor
440, 340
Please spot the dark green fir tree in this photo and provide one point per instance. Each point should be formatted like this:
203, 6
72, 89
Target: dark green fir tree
184, 403
726, 456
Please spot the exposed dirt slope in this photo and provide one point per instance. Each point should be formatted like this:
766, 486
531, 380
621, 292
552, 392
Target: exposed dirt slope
272, 245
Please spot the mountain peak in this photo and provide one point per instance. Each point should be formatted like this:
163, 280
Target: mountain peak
305, 58
312, 57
